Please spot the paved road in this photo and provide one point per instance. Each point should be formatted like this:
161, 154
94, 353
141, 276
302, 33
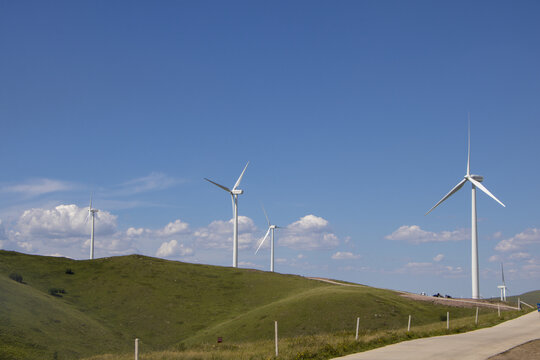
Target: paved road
475, 345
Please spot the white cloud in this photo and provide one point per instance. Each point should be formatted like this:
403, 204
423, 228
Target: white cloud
173, 228
25, 245
133, 232
309, 233
345, 255
438, 258
38, 187
415, 235
167, 248
63, 222
494, 258
518, 241
219, 234
248, 264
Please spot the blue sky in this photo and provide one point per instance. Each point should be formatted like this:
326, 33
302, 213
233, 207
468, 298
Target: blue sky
353, 116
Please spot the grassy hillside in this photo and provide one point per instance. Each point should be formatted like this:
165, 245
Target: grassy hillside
532, 298
108, 302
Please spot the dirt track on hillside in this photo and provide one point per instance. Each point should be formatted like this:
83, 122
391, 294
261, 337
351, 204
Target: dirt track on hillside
467, 303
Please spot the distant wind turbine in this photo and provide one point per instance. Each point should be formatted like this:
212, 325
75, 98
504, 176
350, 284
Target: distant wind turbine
271, 229
475, 181
91, 212
503, 286
234, 196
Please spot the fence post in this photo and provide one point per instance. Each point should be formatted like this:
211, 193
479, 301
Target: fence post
447, 320
276, 332
519, 304
357, 326
136, 349
409, 325
476, 320
499, 309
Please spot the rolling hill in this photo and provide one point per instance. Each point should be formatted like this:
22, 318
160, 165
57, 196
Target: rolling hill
68, 309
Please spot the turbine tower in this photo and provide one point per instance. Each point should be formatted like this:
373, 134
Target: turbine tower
503, 286
271, 229
91, 212
234, 196
475, 181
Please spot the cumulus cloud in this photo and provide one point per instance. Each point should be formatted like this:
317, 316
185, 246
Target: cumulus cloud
173, 248
438, 258
174, 228
345, 255
494, 258
63, 229
518, 241
134, 232
415, 235
309, 233
25, 245
219, 234
38, 187
62, 222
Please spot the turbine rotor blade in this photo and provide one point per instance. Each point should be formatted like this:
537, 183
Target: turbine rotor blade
240, 178
502, 273
218, 185
456, 188
265, 214
483, 188
262, 241
469, 147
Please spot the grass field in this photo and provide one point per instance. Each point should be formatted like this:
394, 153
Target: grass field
178, 310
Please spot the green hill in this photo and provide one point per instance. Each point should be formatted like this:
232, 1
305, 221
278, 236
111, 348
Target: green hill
105, 303
531, 297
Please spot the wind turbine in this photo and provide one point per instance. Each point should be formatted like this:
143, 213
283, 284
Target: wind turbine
91, 212
475, 181
271, 229
503, 286
234, 196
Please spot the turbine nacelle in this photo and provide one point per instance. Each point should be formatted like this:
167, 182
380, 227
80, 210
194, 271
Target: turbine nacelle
478, 178
237, 192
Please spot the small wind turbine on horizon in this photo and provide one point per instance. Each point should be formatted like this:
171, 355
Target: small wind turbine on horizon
91, 212
503, 286
271, 229
234, 196
475, 181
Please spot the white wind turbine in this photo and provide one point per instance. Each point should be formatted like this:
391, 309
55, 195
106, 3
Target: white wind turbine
91, 212
234, 195
475, 181
271, 229
503, 286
